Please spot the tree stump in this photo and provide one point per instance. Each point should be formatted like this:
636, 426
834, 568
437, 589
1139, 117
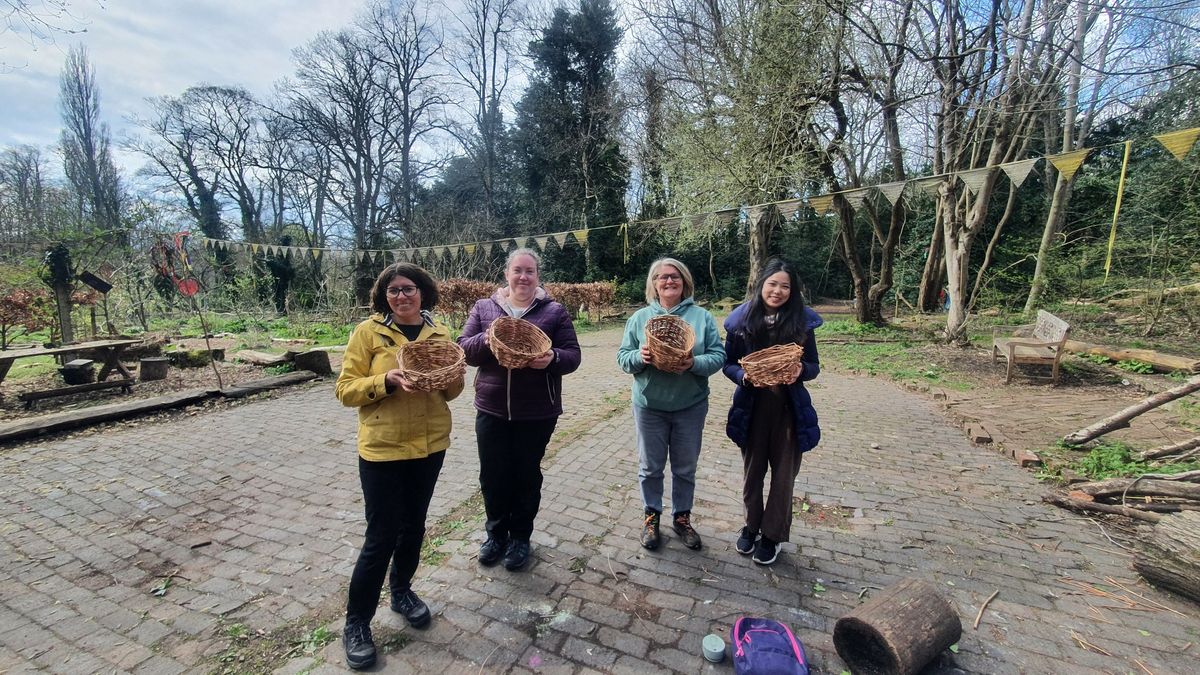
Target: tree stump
153, 368
315, 360
1169, 554
78, 371
899, 631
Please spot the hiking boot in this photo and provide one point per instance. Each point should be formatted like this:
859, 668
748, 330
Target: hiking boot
766, 552
412, 608
516, 555
492, 551
650, 535
745, 541
360, 648
687, 534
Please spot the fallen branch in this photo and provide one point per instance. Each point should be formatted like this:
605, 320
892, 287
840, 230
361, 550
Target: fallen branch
1190, 476
1121, 419
1140, 487
1084, 507
1163, 363
1173, 449
983, 607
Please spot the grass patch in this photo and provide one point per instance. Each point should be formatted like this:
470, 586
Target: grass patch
34, 366
1106, 460
897, 360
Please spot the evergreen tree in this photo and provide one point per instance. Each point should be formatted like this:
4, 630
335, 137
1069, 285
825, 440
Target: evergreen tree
567, 121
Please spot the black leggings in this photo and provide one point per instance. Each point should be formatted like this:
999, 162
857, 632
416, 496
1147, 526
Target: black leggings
396, 497
510, 472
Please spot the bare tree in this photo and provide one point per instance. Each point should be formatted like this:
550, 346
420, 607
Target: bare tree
23, 193
87, 159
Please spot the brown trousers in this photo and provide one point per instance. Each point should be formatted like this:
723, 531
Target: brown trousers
771, 444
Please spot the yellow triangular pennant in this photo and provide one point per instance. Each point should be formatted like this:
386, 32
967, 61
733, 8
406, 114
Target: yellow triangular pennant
580, 236
1019, 171
1068, 163
855, 197
891, 191
789, 208
974, 178
1179, 142
929, 185
254, 248
821, 204
315, 253
540, 242
469, 249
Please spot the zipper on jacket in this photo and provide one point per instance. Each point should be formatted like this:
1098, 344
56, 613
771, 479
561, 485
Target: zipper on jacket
508, 393
549, 389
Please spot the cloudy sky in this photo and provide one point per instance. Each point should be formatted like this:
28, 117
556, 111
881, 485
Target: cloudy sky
148, 48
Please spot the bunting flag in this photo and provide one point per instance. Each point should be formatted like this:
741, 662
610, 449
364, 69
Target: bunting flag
254, 248
1068, 163
469, 249
1019, 171
624, 233
756, 213
541, 242
559, 238
1179, 143
724, 215
929, 185
666, 222
581, 236
1112, 234
891, 191
789, 208
316, 253
974, 179
855, 198
822, 204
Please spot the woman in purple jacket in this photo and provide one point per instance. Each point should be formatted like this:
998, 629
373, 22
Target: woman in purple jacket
517, 409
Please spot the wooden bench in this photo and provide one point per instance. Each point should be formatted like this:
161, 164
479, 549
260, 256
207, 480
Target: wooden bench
1040, 343
29, 398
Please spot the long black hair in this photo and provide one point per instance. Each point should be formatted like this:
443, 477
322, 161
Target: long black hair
790, 324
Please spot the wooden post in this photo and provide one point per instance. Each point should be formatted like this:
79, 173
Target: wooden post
899, 631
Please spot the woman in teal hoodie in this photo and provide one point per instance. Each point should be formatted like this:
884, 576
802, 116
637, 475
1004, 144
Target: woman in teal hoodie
669, 405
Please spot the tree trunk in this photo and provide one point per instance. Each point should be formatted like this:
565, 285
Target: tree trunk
1170, 553
1163, 363
62, 302
898, 631
1121, 419
935, 268
1058, 209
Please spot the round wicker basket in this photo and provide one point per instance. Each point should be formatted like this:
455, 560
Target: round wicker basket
773, 365
516, 342
431, 365
670, 340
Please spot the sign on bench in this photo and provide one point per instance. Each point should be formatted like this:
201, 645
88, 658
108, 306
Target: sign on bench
1041, 343
29, 398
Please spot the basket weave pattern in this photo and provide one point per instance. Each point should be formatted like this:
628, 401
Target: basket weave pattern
670, 340
431, 365
516, 342
773, 365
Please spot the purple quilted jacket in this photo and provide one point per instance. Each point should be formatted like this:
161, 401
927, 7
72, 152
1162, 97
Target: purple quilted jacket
523, 393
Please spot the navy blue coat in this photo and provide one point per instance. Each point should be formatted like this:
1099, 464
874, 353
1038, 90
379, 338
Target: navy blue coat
808, 433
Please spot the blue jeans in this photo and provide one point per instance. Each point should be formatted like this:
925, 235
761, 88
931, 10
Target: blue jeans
669, 435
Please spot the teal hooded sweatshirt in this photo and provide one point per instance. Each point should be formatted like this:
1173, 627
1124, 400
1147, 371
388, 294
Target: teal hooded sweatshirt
663, 391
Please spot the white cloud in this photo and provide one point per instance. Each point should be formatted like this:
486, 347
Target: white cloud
150, 48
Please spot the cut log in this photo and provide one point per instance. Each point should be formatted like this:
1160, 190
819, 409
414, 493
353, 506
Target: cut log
1169, 553
1121, 419
1150, 295
70, 419
1173, 449
153, 368
315, 360
1163, 363
1083, 506
898, 631
266, 384
1140, 487
261, 358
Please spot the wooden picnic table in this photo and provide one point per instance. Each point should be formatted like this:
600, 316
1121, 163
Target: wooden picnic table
108, 352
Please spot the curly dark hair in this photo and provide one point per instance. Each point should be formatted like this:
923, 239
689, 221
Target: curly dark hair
415, 274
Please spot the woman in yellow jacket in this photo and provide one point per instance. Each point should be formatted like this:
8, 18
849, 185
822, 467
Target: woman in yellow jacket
403, 434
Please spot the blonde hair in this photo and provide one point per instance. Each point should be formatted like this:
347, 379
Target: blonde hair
689, 286
512, 255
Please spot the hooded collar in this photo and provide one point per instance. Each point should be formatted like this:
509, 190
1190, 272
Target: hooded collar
500, 297
679, 307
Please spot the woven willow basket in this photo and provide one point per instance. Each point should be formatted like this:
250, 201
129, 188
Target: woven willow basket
670, 340
773, 365
516, 342
431, 365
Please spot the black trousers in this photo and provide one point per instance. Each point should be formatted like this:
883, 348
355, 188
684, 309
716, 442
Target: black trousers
510, 472
396, 496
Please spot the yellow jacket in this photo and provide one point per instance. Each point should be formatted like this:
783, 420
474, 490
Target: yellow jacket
399, 425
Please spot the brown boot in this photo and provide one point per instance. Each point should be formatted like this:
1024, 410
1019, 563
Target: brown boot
650, 535
687, 534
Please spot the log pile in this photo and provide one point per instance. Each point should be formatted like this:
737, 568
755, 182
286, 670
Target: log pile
1142, 498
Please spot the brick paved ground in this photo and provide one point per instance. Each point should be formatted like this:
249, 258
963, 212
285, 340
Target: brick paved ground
92, 523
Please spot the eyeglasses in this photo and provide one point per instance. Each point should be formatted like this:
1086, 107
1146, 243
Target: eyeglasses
406, 291
667, 277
